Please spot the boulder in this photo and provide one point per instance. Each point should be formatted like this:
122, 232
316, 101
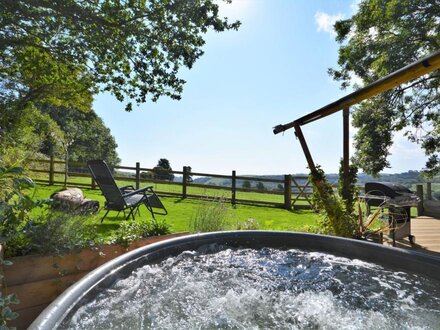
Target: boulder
72, 200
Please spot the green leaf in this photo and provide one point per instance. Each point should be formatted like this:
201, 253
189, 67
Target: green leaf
8, 314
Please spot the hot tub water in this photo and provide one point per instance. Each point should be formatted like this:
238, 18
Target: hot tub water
229, 288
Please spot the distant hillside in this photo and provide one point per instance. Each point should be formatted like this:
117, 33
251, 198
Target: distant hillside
407, 179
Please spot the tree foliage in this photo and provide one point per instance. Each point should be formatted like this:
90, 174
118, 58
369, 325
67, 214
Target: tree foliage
337, 217
189, 177
260, 186
24, 130
63, 51
349, 192
85, 135
164, 163
28, 74
53, 131
162, 170
383, 36
246, 184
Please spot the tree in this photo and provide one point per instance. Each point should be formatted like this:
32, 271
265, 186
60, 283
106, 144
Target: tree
246, 184
147, 175
24, 131
382, 37
162, 170
29, 74
164, 163
189, 178
260, 186
133, 49
85, 135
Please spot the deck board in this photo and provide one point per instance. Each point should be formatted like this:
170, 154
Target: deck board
427, 233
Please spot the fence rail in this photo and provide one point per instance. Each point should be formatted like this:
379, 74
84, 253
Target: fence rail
294, 191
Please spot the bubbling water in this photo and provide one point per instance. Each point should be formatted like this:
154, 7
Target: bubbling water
217, 287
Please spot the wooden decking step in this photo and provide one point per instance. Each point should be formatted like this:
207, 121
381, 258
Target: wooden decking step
427, 235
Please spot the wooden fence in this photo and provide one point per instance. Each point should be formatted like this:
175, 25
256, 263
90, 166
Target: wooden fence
294, 191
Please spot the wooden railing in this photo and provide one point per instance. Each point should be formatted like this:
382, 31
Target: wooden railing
295, 192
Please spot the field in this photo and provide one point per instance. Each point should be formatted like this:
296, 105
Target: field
181, 211
266, 196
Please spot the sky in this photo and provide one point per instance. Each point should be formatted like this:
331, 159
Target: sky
271, 71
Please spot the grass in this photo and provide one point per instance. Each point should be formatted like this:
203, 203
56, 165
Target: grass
181, 211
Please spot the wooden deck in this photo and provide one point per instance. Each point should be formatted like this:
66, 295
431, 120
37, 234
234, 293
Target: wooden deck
427, 234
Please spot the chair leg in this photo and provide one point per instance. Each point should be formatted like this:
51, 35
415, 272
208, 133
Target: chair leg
133, 212
158, 204
105, 215
148, 206
129, 214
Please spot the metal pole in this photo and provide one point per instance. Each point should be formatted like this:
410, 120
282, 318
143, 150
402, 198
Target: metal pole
302, 141
346, 153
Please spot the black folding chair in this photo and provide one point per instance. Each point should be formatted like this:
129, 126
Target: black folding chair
124, 198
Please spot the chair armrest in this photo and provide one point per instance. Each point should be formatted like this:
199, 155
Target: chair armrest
139, 191
125, 188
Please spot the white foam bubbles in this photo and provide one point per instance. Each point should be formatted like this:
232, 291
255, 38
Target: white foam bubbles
223, 288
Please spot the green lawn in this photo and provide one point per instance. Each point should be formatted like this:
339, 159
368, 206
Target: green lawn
191, 190
180, 212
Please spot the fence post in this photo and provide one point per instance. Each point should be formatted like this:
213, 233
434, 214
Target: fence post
288, 192
138, 174
51, 171
428, 191
184, 181
420, 209
233, 188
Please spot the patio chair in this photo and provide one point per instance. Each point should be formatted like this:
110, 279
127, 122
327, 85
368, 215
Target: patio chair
124, 198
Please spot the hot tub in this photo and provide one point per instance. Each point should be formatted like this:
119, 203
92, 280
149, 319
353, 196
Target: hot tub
292, 280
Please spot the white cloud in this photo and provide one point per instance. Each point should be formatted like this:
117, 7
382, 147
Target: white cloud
325, 22
406, 150
354, 6
236, 9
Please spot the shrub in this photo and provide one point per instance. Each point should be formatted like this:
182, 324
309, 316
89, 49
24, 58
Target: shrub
249, 224
348, 194
57, 233
158, 228
210, 216
6, 313
16, 203
50, 232
130, 231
